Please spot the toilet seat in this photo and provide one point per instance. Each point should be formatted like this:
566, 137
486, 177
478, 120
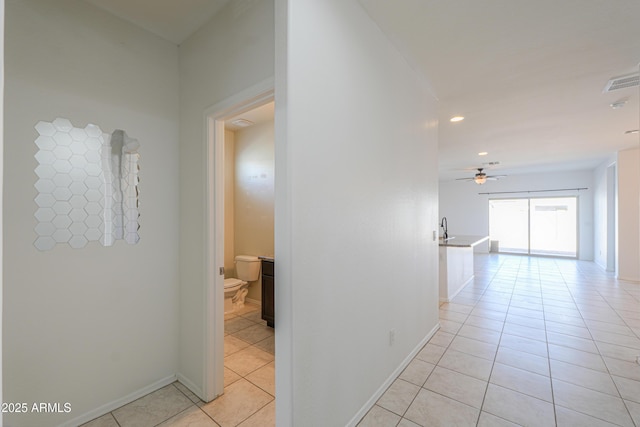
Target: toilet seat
232, 282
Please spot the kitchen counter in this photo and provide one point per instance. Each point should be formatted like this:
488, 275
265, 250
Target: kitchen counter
456, 264
463, 241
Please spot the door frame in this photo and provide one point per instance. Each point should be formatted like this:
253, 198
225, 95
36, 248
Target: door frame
214, 118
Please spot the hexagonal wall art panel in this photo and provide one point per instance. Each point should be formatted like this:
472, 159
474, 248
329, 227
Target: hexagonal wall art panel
87, 186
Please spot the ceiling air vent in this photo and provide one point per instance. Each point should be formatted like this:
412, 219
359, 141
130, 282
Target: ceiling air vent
622, 82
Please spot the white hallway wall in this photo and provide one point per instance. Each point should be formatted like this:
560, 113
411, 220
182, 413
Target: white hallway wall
93, 325
467, 211
356, 204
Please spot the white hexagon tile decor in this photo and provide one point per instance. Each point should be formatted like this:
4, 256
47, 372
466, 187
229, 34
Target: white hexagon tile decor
87, 186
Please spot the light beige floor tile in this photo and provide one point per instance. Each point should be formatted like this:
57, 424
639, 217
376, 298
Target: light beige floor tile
577, 357
576, 331
525, 382
527, 345
466, 364
596, 404
230, 377
441, 338
239, 401
417, 371
459, 308
106, 420
457, 386
379, 417
264, 378
255, 316
431, 353
189, 418
398, 396
254, 333
568, 418
622, 368
248, 308
565, 319
480, 334
527, 361
233, 345
265, 417
406, 423
434, 410
474, 347
584, 377
483, 322
571, 341
629, 389
618, 339
453, 315
236, 324
247, 360
595, 325
449, 326
529, 322
634, 410
490, 420
525, 331
267, 344
153, 408
517, 407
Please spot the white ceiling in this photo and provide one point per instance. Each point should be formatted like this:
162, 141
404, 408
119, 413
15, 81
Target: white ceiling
173, 20
257, 116
527, 75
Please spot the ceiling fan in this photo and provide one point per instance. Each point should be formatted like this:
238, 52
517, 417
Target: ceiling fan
481, 177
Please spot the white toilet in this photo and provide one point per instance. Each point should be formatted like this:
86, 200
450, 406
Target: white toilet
235, 290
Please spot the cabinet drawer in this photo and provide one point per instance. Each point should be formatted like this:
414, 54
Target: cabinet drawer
267, 268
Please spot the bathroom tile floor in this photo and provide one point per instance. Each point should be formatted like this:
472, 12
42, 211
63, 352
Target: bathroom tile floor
530, 342
249, 386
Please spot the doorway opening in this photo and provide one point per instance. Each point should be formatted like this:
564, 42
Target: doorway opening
535, 226
214, 328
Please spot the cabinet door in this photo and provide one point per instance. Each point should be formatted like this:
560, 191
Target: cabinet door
268, 300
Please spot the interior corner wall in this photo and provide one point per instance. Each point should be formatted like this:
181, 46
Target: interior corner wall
459, 198
254, 189
93, 325
629, 215
356, 206
232, 52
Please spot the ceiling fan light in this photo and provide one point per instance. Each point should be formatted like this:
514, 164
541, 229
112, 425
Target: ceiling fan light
480, 179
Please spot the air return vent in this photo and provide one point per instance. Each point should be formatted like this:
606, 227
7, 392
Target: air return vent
622, 82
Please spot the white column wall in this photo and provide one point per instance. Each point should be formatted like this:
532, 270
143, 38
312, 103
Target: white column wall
629, 215
356, 204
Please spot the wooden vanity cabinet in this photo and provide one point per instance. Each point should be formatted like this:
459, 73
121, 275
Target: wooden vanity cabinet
268, 288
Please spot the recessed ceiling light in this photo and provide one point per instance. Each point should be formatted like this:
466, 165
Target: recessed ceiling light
456, 119
482, 153
243, 123
631, 131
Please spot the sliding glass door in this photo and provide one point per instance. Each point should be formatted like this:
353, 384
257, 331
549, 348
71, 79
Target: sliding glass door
538, 226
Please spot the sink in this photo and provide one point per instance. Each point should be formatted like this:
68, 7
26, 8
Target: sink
448, 238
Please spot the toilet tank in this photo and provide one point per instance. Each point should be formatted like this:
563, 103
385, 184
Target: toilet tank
247, 267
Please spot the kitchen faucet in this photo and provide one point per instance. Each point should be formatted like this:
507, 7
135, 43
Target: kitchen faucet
443, 224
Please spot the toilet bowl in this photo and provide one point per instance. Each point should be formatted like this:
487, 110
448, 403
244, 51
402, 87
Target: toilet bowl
236, 289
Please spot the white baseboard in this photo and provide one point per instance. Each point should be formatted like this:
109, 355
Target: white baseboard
191, 386
253, 301
108, 407
372, 401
